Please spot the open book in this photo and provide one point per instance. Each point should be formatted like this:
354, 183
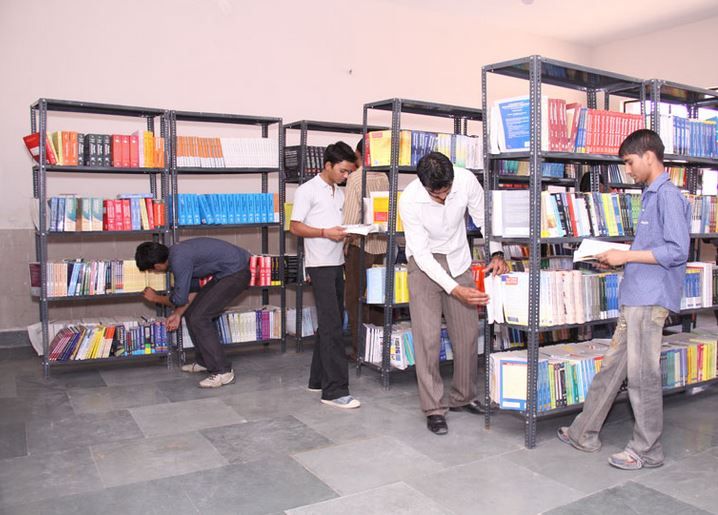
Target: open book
589, 249
363, 229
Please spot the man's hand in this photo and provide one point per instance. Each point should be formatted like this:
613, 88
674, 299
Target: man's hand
173, 321
497, 266
335, 233
470, 296
151, 295
613, 257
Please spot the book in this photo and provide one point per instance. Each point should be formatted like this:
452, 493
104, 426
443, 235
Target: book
462, 150
32, 142
362, 229
588, 249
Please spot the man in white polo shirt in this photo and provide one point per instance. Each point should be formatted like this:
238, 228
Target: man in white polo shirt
317, 217
433, 209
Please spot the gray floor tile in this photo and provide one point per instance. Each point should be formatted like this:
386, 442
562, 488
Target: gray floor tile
263, 404
8, 388
139, 375
180, 417
696, 413
261, 439
51, 405
28, 385
185, 388
628, 498
258, 487
13, 442
149, 498
496, 483
111, 398
397, 499
364, 464
81, 431
153, 458
46, 476
692, 480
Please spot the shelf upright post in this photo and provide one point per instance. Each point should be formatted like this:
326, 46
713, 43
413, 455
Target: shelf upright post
299, 304
42, 236
282, 242
361, 338
265, 229
595, 169
488, 186
535, 160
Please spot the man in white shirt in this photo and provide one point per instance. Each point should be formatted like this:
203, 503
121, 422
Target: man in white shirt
317, 217
433, 209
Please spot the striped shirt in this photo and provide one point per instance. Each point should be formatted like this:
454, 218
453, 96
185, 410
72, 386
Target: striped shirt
375, 181
664, 229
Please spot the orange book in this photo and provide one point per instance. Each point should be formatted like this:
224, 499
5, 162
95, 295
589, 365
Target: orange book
159, 152
73, 149
66, 149
159, 212
150, 208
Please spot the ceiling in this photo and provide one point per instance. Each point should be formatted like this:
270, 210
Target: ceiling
585, 22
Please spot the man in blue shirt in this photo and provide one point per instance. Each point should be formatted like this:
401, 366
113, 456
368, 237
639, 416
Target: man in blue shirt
189, 261
652, 286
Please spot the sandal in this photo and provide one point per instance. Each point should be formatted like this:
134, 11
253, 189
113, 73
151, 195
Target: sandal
629, 460
562, 434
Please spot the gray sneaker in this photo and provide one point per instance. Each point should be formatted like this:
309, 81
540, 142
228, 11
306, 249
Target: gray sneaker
217, 380
346, 402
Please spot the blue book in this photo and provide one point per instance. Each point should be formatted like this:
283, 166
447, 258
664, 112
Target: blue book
249, 197
244, 217
135, 213
204, 216
195, 210
514, 117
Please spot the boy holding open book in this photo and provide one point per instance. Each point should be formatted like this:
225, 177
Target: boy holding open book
652, 286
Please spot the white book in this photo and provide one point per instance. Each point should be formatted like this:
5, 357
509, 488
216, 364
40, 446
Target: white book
589, 249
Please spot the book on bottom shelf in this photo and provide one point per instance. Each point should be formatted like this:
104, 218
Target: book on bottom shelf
309, 321
243, 326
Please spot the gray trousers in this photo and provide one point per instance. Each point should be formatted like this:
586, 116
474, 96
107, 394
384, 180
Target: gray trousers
427, 301
635, 353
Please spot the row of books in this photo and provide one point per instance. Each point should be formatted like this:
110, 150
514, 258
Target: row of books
703, 213
521, 168
688, 137
264, 270
72, 278
564, 127
130, 212
194, 151
83, 341
309, 321
376, 285
141, 149
227, 208
243, 326
401, 353
677, 174
565, 372
463, 151
700, 285
313, 160
507, 338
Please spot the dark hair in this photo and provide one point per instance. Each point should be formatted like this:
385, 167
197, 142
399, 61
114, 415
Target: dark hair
435, 171
360, 147
585, 183
338, 152
640, 142
149, 254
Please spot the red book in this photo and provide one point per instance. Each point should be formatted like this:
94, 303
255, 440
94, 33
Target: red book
125, 159
266, 270
159, 213
32, 142
108, 215
253, 270
149, 204
116, 150
73, 149
134, 151
571, 213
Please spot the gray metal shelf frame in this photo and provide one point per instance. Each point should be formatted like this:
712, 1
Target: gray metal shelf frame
398, 106
264, 123
305, 127
158, 181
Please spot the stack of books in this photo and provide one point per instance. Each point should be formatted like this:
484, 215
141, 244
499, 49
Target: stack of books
463, 151
127, 212
227, 208
197, 152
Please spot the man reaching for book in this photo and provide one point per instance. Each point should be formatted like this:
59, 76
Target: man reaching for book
432, 208
189, 261
652, 286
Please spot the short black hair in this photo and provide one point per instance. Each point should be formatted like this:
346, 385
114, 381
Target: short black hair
338, 152
435, 171
585, 183
640, 142
149, 254
360, 147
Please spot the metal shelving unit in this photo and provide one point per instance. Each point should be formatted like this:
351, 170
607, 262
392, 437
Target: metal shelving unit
460, 116
263, 123
305, 127
158, 184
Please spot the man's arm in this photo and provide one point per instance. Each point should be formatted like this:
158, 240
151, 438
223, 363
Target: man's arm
306, 231
173, 320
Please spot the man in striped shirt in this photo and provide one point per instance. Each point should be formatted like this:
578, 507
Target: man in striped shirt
374, 247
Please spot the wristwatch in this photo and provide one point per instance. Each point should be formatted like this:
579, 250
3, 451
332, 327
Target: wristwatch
499, 253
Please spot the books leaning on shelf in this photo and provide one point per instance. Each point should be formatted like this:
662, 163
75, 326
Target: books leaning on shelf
71, 278
101, 338
703, 213
507, 338
401, 353
243, 326
127, 212
227, 208
141, 149
564, 127
565, 371
264, 271
309, 321
521, 168
699, 285
376, 285
376, 210
198, 152
313, 160
463, 151
688, 137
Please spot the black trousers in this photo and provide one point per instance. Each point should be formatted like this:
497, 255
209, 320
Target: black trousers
201, 314
329, 369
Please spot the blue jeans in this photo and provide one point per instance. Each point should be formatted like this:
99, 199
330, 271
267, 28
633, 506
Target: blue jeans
635, 353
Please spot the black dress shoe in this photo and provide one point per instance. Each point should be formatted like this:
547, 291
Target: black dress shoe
474, 407
437, 424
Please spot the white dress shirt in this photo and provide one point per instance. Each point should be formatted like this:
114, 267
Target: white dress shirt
318, 204
433, 228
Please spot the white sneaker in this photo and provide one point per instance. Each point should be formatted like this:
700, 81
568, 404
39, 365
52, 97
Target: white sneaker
217, 380
193, 368
346, 402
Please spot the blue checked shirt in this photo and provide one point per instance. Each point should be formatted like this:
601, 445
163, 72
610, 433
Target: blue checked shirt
664, 229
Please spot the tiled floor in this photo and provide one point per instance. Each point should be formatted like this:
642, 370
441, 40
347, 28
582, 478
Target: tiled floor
145, 439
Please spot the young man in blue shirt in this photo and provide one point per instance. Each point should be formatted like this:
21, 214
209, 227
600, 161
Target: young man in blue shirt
652, 286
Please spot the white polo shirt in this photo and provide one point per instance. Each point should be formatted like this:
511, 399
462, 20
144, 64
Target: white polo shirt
433, 228
318, 204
